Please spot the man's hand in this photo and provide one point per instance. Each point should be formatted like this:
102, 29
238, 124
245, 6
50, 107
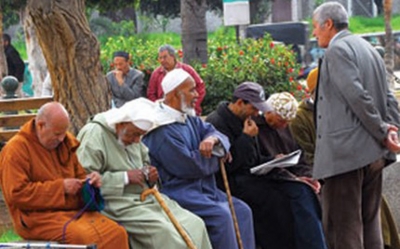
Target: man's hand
119, 75
152, 174
250, 127
228, 158
136, 176
392, 140
72, 185
314, 184
207, 145
94, 179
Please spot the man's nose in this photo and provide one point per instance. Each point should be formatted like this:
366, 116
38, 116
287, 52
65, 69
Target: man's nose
61, 138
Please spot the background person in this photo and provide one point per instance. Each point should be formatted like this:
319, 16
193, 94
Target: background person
126, 82
15, 64
168, 61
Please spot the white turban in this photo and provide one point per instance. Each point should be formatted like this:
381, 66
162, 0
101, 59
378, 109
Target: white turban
173, 79
139, 111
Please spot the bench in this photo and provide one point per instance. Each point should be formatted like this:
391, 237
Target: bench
16, 112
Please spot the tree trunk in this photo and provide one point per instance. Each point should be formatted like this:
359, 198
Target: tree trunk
194, 31
37, 63
72, 54
3, 61
389, 49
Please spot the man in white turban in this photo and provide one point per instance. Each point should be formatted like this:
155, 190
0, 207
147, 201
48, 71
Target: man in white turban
111, 145
183, 148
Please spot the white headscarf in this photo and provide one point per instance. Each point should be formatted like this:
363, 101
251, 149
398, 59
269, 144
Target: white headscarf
139, 111
173, 79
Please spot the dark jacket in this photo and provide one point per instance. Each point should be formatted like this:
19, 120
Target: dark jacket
244, 149
280, 141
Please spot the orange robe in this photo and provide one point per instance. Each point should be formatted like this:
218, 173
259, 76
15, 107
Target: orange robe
31, 178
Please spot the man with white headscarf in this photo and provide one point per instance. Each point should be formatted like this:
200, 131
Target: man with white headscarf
110, 145
184, 149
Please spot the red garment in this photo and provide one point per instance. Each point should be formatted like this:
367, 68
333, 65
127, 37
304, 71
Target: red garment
154, 90
32, 180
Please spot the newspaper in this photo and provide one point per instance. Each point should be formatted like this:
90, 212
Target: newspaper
282, 162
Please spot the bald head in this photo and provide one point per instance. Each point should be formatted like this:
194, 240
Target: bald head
52, 122
52, 110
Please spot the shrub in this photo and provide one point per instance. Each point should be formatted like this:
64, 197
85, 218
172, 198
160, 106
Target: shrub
270, 64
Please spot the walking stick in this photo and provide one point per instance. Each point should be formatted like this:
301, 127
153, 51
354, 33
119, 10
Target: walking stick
166, 209
231, 207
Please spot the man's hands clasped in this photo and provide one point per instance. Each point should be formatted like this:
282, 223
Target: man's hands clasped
140, 176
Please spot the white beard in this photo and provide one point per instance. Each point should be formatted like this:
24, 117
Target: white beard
121, 143
185, 108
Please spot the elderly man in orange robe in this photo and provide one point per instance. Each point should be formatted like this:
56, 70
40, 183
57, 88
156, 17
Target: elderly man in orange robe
41, 180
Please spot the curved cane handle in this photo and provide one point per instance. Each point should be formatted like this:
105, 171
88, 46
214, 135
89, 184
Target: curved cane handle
145, 193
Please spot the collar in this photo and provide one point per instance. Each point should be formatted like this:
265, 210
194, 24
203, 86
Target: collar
178, 64
336, 36
167, 115
178, 116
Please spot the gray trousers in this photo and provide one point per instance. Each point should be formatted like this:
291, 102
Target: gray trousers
350, 208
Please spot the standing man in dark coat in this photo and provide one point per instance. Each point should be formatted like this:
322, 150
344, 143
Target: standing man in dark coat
356, 130
15, 64
281, 204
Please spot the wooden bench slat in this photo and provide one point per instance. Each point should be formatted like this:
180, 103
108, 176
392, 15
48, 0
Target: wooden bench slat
15, 119
5, 135
23, 103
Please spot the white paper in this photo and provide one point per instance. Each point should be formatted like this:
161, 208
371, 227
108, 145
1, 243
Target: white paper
282, 162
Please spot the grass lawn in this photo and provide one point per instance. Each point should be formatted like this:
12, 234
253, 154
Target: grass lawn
9, 235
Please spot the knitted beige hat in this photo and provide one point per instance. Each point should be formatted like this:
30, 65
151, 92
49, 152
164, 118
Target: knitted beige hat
284, 104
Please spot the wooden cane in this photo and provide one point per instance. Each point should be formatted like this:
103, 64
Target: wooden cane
232, 208
166, 209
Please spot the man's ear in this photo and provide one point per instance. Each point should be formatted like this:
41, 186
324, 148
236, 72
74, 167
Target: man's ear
40, 123
329, 24
239, 102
